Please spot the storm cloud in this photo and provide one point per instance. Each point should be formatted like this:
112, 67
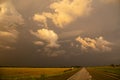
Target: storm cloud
48, 36
65, 12
59, 32
97, 44
9, 19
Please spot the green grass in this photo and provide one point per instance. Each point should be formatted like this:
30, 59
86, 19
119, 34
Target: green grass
104, 73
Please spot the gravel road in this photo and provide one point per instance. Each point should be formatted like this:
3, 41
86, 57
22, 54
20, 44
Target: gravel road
83, 74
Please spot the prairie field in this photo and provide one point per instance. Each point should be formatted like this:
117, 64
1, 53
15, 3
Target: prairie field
104, 73
97, 73
32, 73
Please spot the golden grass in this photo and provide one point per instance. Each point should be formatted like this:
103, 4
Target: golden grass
31, 71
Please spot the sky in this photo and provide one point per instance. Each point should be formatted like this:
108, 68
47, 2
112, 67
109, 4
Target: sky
59, 32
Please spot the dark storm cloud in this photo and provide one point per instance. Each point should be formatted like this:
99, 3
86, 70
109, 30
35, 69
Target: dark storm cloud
9, 19
103, 21
2, 1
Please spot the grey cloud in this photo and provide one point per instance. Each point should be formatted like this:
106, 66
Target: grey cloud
110, 1
9, 19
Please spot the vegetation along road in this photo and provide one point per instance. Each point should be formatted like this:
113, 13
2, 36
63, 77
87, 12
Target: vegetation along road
104, 73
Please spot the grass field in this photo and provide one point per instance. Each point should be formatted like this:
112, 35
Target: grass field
104, 73
35, 73
97, 73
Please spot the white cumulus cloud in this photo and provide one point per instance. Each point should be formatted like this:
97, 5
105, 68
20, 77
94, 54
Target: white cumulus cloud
48, 36
65, 11
97, 44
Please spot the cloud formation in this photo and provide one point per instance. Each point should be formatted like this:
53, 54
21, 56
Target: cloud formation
9, 15
39, 43
48, 42
41, 19
97, 44
9, 19
110, 1
48, 36
65, 11
6, 38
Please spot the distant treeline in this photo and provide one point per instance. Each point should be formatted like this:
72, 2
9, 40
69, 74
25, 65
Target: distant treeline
76, 66
115, 65
41, 67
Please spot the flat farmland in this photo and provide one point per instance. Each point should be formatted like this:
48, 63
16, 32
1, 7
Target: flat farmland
104, 73
34, 73
96, 73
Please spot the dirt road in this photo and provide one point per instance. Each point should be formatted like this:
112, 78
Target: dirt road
83, 74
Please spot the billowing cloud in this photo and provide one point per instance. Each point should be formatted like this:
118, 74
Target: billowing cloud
65, 11
110, 1
48, 40
97, 44
38, 43
41, 19
48, 36
9, 15
6, 38
9, 19
8, 34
